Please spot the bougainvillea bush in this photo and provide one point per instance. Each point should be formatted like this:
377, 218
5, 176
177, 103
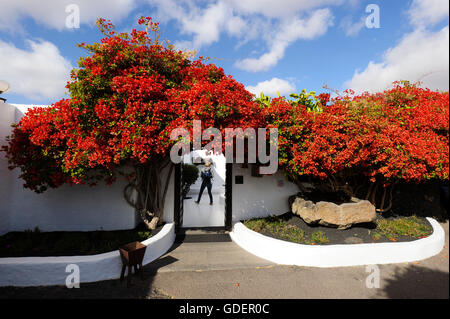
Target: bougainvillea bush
126, 97
364, 142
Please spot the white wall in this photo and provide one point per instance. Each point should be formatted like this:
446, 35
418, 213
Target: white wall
7, 115
67, 208
71, 208
168, 216
260, 196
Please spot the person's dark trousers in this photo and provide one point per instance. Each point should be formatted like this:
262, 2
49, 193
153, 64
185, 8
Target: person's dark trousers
202, 188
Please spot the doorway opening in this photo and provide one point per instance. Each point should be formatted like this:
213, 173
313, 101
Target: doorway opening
189, 214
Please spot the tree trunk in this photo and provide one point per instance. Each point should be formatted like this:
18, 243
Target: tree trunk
146, 193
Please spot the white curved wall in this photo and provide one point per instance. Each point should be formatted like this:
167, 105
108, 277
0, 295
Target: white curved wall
48, 271
288, 253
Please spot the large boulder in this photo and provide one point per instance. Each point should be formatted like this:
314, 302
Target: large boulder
329, 214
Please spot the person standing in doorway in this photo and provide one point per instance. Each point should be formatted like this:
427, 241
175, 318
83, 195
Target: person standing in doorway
207, 177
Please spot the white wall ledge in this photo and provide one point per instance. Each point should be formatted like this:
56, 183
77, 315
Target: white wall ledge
288, 253
48, 271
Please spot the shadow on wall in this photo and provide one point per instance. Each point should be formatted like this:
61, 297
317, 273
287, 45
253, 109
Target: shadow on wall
416, 282
425, 199
109, 289
256, 209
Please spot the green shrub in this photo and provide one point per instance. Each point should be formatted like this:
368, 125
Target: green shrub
190, 175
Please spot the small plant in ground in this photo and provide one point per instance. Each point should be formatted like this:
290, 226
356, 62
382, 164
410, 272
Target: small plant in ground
278, 227
406, 226
256, 225
292, 233
319, 237
376, 235
281, 229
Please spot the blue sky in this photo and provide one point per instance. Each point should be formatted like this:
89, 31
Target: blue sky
269, 46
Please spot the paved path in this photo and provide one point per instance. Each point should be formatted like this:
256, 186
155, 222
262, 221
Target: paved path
224, 270
205, 257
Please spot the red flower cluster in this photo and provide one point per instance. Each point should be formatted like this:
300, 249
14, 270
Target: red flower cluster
398, 134
126, 98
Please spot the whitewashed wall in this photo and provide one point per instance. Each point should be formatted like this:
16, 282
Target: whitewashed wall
67, 208
168, 215
7, 116
260, 196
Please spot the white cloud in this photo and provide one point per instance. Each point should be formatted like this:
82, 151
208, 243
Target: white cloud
351, 28
204, 24
279, 8
428, 12
37, 73
271, 87
277, 23
289, 32
52, 13
420, 56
